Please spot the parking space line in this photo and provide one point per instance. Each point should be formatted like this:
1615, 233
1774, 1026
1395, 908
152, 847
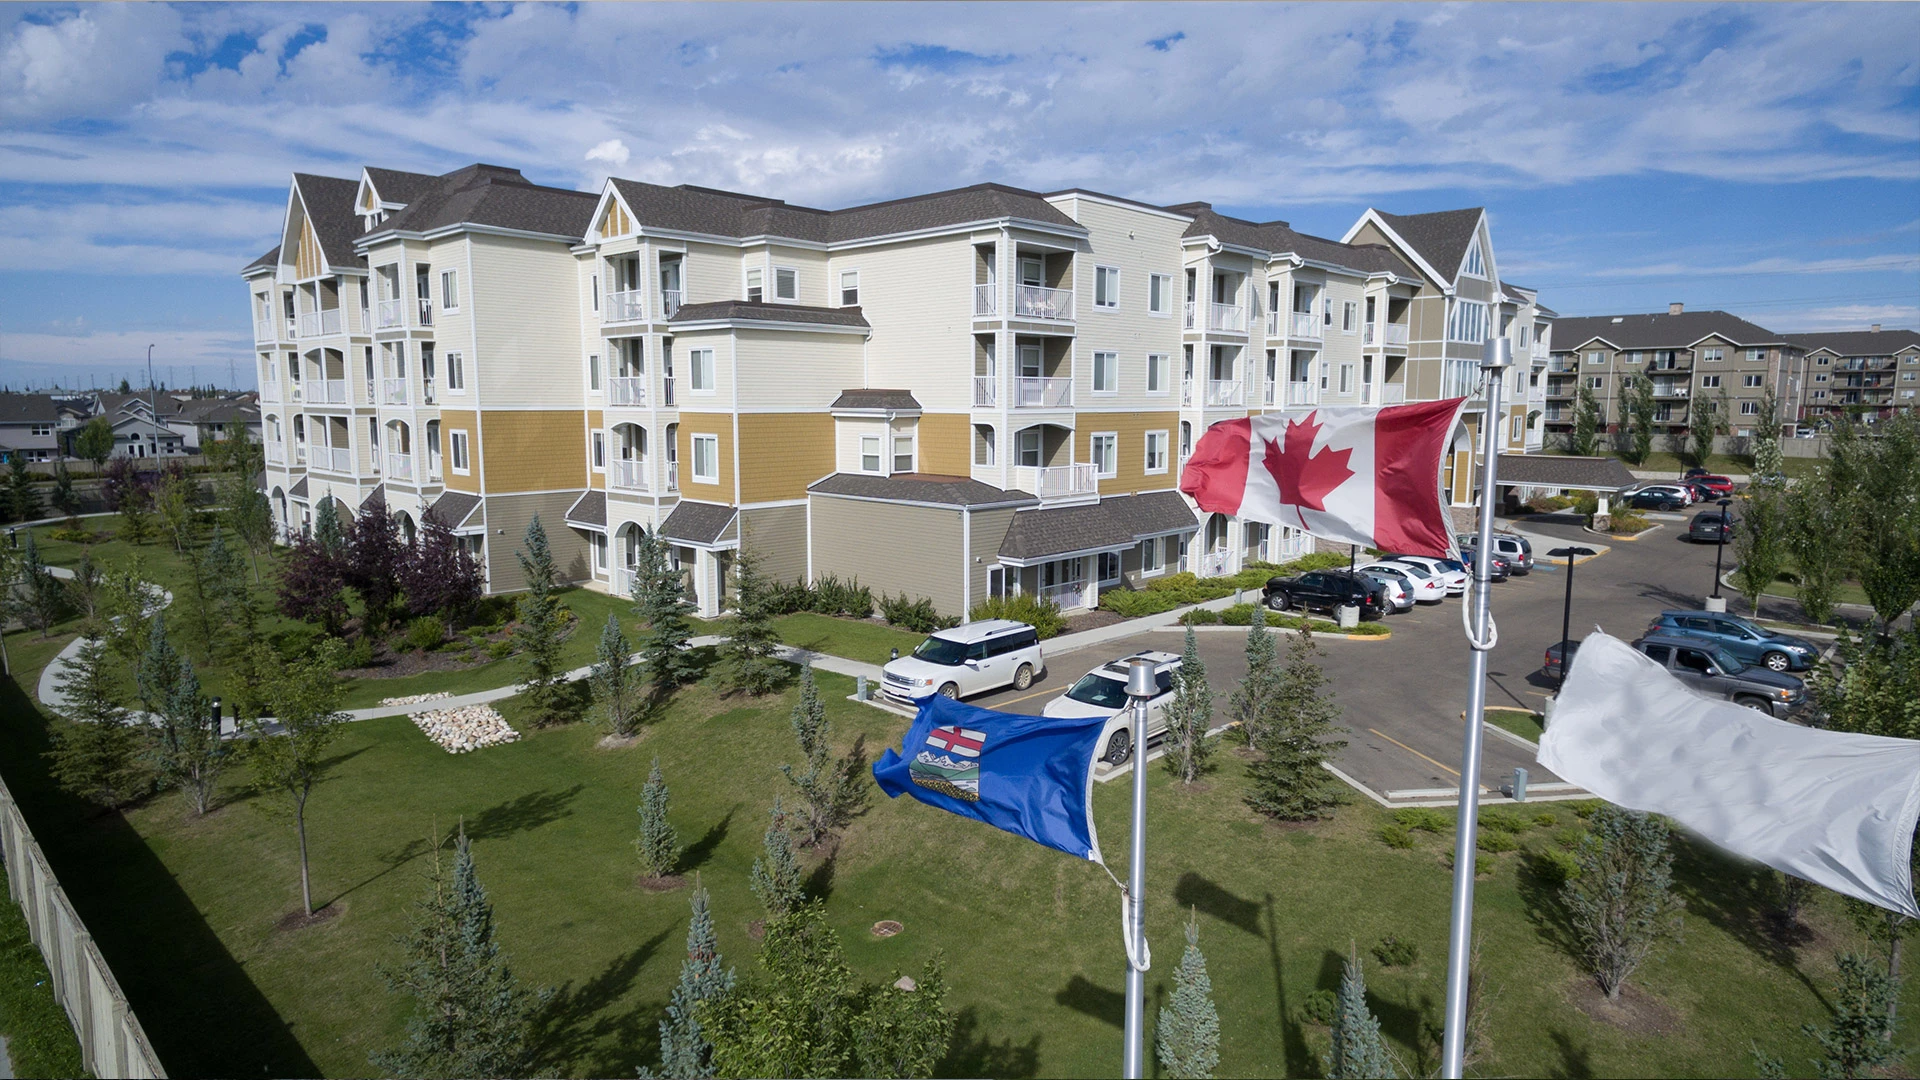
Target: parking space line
1412, 751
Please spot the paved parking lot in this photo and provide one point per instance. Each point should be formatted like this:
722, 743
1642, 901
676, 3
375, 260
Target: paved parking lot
1403, 697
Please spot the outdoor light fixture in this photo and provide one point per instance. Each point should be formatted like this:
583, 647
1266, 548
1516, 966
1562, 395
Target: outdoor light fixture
1720, 548
1566, 609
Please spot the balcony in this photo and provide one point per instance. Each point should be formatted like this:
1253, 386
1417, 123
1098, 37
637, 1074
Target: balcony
396, 392
1562, 366
336, 459
1396, 335
426, 311
986, 300
627, 390
1303, 324
400, 466
1039, 302
986, 391
1067, 594
627, 305
669, 303
263, 329
1229, 318
673, 476
276, 454
1670, 391
324, 391
1301, 393
1224, 393
389, 314
1211, 563
426, 392
1058, 481
320, 323
1031, 392
1186, 318
1393, 394
1273, 324
627, 474
1538, 351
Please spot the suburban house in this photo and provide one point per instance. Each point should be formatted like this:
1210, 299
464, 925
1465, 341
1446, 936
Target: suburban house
35, 427
954, 395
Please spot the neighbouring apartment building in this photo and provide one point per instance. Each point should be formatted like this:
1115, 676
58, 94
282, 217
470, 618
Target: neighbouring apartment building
956, 395
1862, 375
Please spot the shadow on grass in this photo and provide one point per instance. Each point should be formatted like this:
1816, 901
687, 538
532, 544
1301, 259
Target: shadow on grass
1300, 1060
389, 862
698, 852
1104, 1005
1738, 897
1576, 1062
527, 812
202, 1013
1540, 891
819, 885
576, 1034
1195, 891
972, 1052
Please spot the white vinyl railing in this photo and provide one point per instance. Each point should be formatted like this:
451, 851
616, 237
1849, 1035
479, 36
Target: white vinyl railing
1300, 393
276, 454
1228, 317
1058, 481
673, 476
669, 302
331, 458
263, 329
1038, 302
1225, 392
627, 474
1186, 319
426, 311
426, 391
1273, 324
1030, 392
1366, 393
985, 389
396, 392
1303, 324
1396, 333
627, 305
1068, 594
627, 390
1213, 563
325, 391
1269, 391
666, 390
985, 299
320, 323
399, 466
1366, 334
389, 314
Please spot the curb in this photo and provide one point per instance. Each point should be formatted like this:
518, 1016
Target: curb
1318, 634
1648, 531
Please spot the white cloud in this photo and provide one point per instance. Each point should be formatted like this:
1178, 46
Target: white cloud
91, 62
612, 151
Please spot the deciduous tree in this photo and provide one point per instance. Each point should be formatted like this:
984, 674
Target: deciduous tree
1584, 438
289, 755
311, 587
1760, 544
375, 557
95, 441
440, 575
1637, 401
1815, 532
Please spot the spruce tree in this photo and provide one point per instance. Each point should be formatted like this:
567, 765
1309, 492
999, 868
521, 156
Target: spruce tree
215, 567
684, 1049
748, 654
42, 598
1290, 781
96, 752
1190, 714
658, 844
86, 586
615, 682
1187, 1036
660, 600
64, 498
832, 790
23, 504
1621, 902
539, 631
1861, 1038
187, 750
1359, 1053
1252, 701
471, 1016
775, 876
159, 667
327, 531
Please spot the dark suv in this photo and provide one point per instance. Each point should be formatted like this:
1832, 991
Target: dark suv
1324, 590
1714, 672
1711, 527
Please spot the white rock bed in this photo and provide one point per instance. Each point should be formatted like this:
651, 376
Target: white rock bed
466, 729
416, 699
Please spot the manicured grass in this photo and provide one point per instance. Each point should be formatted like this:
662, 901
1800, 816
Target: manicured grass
1663, 461
1521, 722
40, 1039
853, 639
186, 909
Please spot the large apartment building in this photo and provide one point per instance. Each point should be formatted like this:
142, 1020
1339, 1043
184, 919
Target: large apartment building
955, 395
1862, 375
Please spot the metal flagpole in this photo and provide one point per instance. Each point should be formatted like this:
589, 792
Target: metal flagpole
1140, 688
1496, 358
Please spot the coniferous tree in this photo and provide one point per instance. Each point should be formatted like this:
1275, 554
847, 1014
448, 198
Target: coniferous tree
1252, 701
1290, 781
327, 530
658, 843
23, 502
775, 876
288, 757
1187, 1036
684, 1049
215, 568
660, 600
1622, 903
86, 585
1190, 713
42, 598
539, 631
615, 682
244, 506
1860, 1041
64, 498
96, 752
832, 790
1359, 1052
471, 1016
748, 654
127, 599
188, 752
158, 669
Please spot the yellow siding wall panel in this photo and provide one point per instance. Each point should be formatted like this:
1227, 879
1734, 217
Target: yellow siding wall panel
720, 424
306, 257
531, 451
946, 443
1130, 467
452, 420
781, 453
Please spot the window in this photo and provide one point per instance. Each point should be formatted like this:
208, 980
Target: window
1106, 287
1756, 355
1152, 556
1594, 359
1106, 372
1346, 378
700, 364
1633, 358
1749, 408
599, 449
902, 453
983, 436
1598, 382
456, 372
1819, 395
599, 550
1750, 380
1906, 376
1349, 316
755, 293
1713, 356
1109, 566
706, 459
43, 430
593, 372
850, 288
1469, 322
1710, 381
449, 290
1326, 311
595, 286
1029, 447
1323, 374
457, 451
1475, 265
786, 283
1823, 361
1516, 427
1160, 294
870, 453
1156, 451
1105, 448
1820, 376
1157, 373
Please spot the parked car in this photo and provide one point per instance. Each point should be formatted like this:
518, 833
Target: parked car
1719, 485
1453, 575
1399, 594
968, 659
1551, 665
1666, 497
1498, 569
1750, 644
1516, 549
1324, 590
1427, 589
1695, 471
1711, 670
1711, 527
1103, 692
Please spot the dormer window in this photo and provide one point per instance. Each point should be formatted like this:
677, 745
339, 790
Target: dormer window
1475, 265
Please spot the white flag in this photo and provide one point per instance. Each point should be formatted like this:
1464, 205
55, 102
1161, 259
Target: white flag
1834, 808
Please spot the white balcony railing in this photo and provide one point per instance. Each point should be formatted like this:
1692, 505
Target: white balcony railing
263, 329
1030, 392
986, 299
1068, 594
1223, 393
1273, 324
1396, 333
276, 453
396, 392
1186, 317
325, 391
1393, 394
1366, 393
1228, 317
669, 303
1303, 324
389, 314
1538, 351
985, 390
1301, 393
337, 459
1058, 481
320, 323
1366, 334
426, 391
426, 311
623, 580
1212, 563
627, 390
626, 305
1268, 393
399, 466
627, 474
673, 476
666, 391
1038, 302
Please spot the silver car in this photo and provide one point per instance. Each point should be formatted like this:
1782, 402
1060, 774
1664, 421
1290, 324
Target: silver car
1399, 594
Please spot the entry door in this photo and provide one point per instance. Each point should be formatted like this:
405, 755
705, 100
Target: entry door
1033, 272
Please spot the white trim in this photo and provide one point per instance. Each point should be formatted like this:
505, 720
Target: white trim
764, 324
1111, 200
1373, 217
1095, 303
693, 451
1166, 451
955, 507
461, 438
1093, 459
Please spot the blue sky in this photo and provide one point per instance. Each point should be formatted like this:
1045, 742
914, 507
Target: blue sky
1764, 159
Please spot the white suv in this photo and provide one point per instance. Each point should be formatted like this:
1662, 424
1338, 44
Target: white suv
968, 659
1103, 692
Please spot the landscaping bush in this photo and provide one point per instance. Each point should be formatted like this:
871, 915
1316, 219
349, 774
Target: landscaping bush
1201, 617
500, 650
1585, 503
831, 596
1320, 1007
1392, 952
1546, 819
426, 632
1548, 504
359, 654
1237, 615
1036, 611
785, 598
1502, 820
1188, 588
1586, 808
1553, 867
1424, 818
1131, 603
1396, 835
917, 615
1497, 841
1627, 521
77, 533
493, 611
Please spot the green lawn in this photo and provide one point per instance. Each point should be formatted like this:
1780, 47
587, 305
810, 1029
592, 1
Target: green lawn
40, 1039
1662, 461
1521, 722
186, 909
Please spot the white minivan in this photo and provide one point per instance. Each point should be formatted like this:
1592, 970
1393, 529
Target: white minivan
969, 659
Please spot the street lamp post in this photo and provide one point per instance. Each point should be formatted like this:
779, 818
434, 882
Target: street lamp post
1714, 602
1566, 609
153, 403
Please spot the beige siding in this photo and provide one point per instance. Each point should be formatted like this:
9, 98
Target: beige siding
452, 420
780, 454
1138, 244
779, 534
507, 519
946, 444
1131, 429
710, 273
720, 424
918, 296
532, 451
524, 300
989, 532
785, 371
914, 550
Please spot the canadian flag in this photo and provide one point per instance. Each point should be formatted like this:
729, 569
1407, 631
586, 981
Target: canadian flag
1355, 475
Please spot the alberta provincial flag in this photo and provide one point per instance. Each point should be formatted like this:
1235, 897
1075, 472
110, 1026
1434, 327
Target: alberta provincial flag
1029, 775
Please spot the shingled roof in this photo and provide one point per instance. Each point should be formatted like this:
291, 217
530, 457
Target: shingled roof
590, 509
265, 262
1441, 238
28, 409
454, 507
1279, 238
922, 488
1110, 523
329, 203
981, 202
1857, 342
497, 196
1660, 330
730, 213
399, 187
299, 488
763, 312
1563, 471
875, 401
698, 522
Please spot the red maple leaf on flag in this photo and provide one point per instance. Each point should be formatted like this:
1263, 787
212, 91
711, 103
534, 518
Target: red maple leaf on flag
1305, 478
